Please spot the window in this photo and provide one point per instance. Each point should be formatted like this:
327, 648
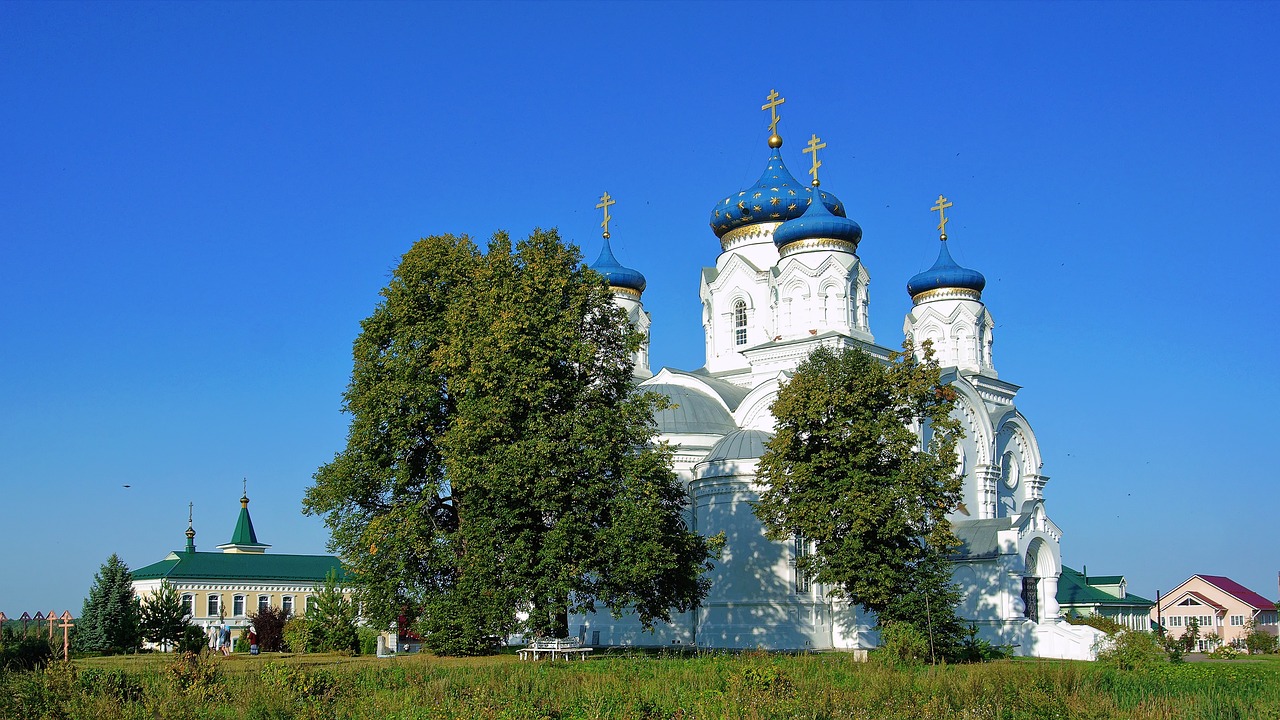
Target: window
264, 603
188, 604
801, 551
311, 604
237, 606
1237, 620
739, 323
214, 605
286, 603
1174, 620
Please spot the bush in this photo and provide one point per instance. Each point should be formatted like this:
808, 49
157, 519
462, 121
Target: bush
269, 624
1257, 641
368, 641
902, 643
1224, 652
297, 636
1098, 622
974, 649
19, 652
195, 675
1172, 647
1132, 650
193, 640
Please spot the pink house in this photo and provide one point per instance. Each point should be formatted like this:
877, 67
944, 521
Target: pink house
1219, 604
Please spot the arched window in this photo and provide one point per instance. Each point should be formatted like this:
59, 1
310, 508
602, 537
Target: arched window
311, 604
286, 604
739, 323
188, 604
214, 605
264, 603
237, 606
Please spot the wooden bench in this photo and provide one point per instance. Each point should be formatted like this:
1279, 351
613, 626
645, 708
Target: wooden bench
551, 647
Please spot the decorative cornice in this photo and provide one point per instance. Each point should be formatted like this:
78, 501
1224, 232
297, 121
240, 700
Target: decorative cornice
813, 244
625, 291
748, 235
946, 294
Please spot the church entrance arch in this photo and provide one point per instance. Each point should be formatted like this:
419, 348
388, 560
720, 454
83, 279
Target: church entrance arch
1039, 582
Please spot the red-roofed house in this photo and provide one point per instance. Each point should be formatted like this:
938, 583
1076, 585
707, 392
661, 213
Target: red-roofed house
1219, 604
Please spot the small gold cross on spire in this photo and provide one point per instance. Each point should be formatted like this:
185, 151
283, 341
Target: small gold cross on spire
605, 202
814, 146
941, 207
772, 106
191, 508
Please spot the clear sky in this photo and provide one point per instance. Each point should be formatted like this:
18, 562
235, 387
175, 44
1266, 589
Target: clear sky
199, 202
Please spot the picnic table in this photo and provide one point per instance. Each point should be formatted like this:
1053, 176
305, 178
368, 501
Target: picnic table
551, 647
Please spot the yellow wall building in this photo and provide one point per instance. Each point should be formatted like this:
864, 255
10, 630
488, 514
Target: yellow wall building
239, 580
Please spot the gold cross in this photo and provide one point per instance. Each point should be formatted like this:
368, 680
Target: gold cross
772, 107
814, 146
941, 207
605, 202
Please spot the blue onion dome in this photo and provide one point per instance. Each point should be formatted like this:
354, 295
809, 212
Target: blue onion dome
819, 223
613, 271
946, 275
776, 197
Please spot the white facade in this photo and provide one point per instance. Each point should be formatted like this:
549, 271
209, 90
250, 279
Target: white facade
763, 311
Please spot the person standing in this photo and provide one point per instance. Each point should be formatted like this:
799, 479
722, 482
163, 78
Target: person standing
253, 641
224, 640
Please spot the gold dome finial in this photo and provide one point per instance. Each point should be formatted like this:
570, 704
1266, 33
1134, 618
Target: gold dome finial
941, 208
775, 140
814, 146
605, 202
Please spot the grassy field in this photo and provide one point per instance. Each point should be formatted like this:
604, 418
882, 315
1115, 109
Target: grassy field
753, 685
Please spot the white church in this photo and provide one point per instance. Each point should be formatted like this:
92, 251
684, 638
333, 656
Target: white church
788, 280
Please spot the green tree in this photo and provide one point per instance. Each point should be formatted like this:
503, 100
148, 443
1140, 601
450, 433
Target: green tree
163, 617
499, 457
845, 472
333, 623
110, 619
1190, 635
1258, 641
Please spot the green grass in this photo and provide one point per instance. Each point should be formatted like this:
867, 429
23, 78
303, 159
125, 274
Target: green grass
634, 686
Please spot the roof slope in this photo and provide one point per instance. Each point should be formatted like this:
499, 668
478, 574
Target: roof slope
1074, 589
1238, 591
181, 565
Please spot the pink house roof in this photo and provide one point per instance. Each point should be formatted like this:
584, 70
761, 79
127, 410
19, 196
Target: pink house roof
1240, 592
1206, 600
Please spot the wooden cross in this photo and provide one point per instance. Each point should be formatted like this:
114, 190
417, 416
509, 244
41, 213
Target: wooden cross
772, 107
52, 618
605, 202
941, 207
66, 629
814, 146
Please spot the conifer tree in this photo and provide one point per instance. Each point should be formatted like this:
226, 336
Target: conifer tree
333, 622
163, 617
110, 619
499, 458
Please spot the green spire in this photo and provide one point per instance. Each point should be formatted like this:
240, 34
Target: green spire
243, 538
244, 534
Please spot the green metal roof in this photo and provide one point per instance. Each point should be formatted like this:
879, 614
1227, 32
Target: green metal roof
244, 534
182, 565
1074, 590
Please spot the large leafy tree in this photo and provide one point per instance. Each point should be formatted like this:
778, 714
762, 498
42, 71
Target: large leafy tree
110, 618
848, 472
499, 459
163, 617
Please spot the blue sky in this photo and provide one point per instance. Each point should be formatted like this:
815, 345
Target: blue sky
199, 202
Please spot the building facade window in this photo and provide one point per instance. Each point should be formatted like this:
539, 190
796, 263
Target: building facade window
237, 606
1237, 620
188, 604
214, 605
739, 323
801, 551
264, 603
286, 603
311, 604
